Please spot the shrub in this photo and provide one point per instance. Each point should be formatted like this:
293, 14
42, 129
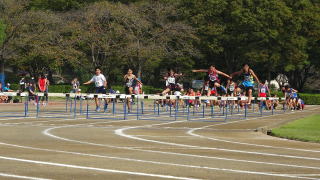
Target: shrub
311, 99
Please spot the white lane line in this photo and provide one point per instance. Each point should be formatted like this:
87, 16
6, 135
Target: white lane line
21, 177
165, 136
191, 132
95, 169
120, 132
47, 132
151, 162
8, 119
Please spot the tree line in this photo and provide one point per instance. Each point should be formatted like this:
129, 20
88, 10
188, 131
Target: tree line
73, 36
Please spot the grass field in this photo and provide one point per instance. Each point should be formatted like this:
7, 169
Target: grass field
306, 129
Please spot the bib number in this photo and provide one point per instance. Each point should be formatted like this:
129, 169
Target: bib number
98, 84
212, 77
171, 80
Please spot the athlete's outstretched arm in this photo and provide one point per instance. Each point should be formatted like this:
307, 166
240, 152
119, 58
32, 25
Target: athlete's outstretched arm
135, 77
235, 74
88, 82
255, 76
228, 83
200, 70
224, 74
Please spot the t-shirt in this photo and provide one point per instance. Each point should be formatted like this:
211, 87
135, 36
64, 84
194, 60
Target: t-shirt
30, 90
170, 80
98, 80
263, 89
42, 84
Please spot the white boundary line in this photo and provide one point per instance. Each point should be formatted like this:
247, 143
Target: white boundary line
21, 177
191, 132
46, 132
146, 125
95, 169
134, 160
120, 132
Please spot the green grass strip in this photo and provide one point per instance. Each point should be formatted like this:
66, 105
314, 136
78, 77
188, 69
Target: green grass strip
306, 129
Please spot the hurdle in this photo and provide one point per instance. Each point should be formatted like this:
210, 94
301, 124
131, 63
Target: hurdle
20, 109
52, 108
143, 107
174, 111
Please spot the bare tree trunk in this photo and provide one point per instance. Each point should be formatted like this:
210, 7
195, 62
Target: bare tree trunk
92, 56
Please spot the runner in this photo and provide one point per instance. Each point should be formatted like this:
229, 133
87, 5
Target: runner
43, 88
100, 83
131, 80
263, 89
171, 82
246, 85
231, 87
291, 97
213, 78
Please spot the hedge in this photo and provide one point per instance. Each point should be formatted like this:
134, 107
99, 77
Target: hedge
311, 99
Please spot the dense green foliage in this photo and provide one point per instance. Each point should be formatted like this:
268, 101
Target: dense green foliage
312, 99
307, 129
71, 37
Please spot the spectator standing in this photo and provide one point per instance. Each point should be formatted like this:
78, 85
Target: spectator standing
22, 84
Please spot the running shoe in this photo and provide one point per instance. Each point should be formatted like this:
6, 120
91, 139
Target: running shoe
223, 89
98, 109
105, 107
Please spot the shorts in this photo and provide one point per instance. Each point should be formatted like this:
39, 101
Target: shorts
173, 87
230, 93
127, 89
262, 94
246, 88
211, 83
213, 92
101, 90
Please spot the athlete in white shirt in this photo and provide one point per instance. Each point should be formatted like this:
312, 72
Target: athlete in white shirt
100, 83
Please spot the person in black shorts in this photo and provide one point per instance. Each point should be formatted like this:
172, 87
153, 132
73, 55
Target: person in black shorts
171, 82
131, 81
100, 84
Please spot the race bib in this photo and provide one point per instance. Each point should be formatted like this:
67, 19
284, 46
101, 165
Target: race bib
247, 78
263, 90
98, 83
171, 80
231, 88
212, 77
